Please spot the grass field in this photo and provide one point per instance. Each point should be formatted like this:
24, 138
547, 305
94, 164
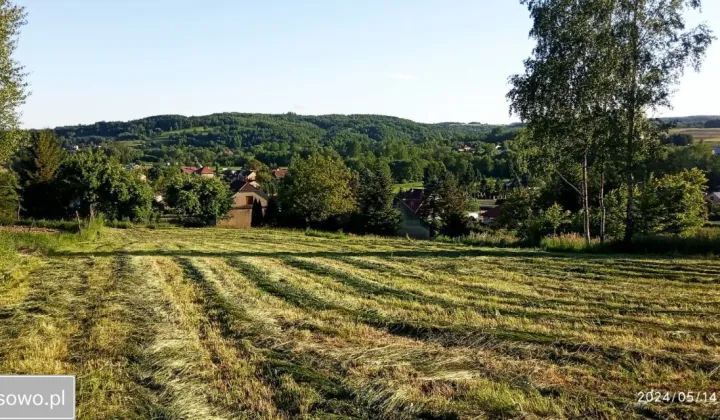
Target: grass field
209, 323
407, 186
708, 135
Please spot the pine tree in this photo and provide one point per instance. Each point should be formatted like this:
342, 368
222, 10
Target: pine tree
272, 212
257, 219
46, 157
376, 212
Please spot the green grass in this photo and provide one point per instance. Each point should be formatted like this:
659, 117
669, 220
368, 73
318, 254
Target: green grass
212, 323
407, 186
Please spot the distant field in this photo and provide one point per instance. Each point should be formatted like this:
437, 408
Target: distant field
408, 186
166, 135
210, 323
710, 135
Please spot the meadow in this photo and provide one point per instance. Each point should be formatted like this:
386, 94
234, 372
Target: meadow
272, 324
707, 135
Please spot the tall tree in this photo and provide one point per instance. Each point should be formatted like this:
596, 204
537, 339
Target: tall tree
46, 156
376, 213
13, 88
565, 93
653, 49
257, 217
272, 212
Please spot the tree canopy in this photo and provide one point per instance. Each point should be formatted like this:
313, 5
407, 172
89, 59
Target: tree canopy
13, 88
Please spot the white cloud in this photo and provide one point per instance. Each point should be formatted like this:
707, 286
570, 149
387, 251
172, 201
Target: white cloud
402, 76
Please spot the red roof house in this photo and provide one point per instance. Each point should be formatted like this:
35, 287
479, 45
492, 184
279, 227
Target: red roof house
279, 173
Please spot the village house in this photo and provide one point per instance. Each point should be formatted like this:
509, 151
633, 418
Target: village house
713, 198
279, 173
246, 175
466, 149
490, 215
202, 171
240, 216
412, 224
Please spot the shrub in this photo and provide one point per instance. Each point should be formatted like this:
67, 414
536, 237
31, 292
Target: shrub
572, 242
500, 239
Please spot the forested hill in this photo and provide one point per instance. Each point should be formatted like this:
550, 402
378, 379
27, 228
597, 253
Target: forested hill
250, 129
232, 139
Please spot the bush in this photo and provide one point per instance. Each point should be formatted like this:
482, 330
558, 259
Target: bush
572, 242
500, 239
704, 242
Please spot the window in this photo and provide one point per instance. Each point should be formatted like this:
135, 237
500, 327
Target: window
249, 200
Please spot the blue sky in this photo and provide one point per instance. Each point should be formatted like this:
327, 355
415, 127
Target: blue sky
430, 61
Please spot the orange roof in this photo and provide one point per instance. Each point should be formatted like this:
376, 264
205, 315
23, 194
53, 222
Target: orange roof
280, 173
249, 187
188, 169
205, 171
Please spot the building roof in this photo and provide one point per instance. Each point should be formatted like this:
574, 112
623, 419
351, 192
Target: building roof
493, 212
279, 173
188, 169
248, 187
715, 195
414, 198
205, 171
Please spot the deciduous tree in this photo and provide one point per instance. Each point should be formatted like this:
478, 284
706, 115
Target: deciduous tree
13, 88
317, 188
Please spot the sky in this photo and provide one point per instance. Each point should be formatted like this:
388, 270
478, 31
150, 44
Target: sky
426, 60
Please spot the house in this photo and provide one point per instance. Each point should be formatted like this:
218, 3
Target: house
202, 171
466, 149
237, 185
713, 198
246, 175
240, 215
490, 215
413, 198
412, 224
206, 172
279, 173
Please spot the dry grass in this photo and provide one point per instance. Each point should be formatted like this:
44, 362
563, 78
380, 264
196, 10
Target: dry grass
212, 323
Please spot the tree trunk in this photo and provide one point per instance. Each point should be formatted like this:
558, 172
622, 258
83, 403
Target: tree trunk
603, 210
632, 115
586, 199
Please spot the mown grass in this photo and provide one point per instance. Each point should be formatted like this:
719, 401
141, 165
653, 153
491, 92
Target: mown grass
211, 323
